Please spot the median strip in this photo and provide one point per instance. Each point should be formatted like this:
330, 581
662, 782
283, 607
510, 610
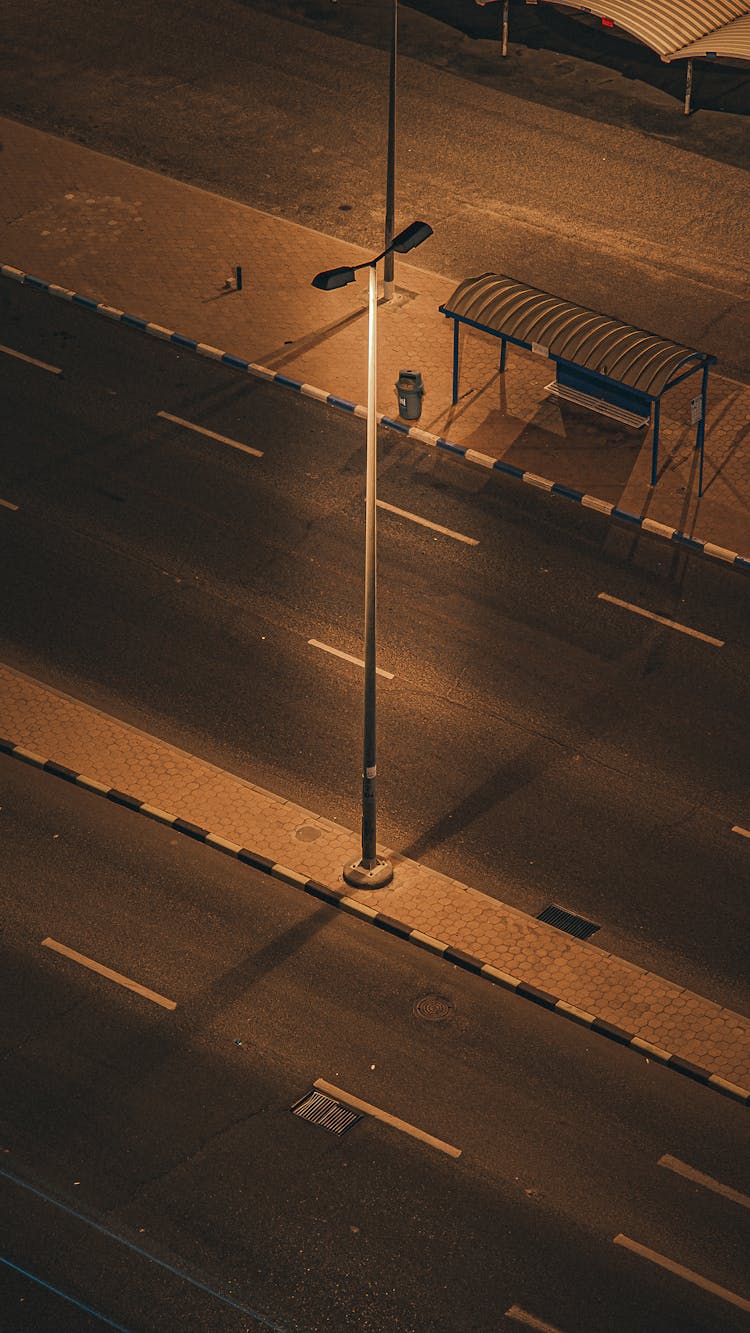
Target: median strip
339, 899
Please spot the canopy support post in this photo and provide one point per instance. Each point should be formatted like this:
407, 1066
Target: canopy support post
688, 86
700, 434
504, 47
655, 444
455, 361
503, 347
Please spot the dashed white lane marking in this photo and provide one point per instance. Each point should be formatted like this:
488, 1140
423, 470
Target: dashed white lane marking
426, 523
21, 356
211, 434
368, 1109
679, 1270
107, 972
315, 643
530, 1320
699, 1178
743, 832
662, 620
7, 504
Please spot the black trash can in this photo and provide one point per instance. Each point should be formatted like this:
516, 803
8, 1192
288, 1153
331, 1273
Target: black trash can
410, 389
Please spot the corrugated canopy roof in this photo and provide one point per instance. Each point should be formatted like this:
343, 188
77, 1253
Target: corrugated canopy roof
669, 27
731, 41
631, 356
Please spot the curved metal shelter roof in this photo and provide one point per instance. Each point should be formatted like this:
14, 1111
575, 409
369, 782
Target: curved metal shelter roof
669, 26
643, 361
732, 41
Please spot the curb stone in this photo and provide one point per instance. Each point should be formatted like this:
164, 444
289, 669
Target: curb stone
339, 899
661, 531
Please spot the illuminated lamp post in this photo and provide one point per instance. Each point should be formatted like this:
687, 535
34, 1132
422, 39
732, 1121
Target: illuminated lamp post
371, 871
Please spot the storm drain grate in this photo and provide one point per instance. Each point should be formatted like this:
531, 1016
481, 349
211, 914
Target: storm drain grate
326, 1111
568, 921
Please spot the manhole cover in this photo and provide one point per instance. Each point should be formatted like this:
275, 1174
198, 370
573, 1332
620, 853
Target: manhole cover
435, 1008
308, 833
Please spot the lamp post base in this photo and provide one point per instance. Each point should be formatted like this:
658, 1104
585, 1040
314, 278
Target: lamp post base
357, 875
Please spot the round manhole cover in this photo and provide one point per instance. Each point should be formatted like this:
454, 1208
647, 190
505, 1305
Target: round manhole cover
435, 1008
308, 833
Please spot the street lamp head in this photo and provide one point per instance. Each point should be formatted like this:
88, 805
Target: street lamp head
333, 277
410, 237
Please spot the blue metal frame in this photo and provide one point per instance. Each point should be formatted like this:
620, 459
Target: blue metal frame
703, 361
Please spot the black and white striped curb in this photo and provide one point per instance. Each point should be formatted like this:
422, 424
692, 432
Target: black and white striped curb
339, 898
662, 531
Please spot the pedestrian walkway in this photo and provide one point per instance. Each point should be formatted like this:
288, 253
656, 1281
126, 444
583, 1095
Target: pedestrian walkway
663, 1021
163, 251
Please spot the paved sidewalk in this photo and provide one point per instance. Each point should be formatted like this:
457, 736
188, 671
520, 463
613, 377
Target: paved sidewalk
663, 1021
162, 250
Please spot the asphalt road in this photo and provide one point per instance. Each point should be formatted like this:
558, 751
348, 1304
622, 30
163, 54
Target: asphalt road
529, 169
536, 742
152, 1172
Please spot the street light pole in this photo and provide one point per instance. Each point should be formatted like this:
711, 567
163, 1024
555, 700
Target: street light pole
390, 182
371, 871
370, 865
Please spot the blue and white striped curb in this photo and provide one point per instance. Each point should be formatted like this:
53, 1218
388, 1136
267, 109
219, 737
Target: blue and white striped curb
640, 521
338, 898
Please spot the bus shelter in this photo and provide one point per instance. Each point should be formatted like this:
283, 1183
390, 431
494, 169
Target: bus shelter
600, 363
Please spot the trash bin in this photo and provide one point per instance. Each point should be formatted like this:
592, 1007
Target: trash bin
410, 388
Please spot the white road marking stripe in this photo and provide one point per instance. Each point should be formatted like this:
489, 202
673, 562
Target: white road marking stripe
662, 620
368, 1109
743, 832
212, 435
530, 1320
315, 643
7, 504
699, 1178
43, 365
680, 1271
107, 972
426, 523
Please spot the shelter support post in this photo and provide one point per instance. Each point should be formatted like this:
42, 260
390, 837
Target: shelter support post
504, 47
700, 434
688, 87
455, 361
503, 349
655, 443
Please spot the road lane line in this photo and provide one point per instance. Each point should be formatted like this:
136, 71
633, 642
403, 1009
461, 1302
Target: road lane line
211, 434
699, 1178
137, 1249
315, 643
680, 1271
358, 1105
7, 504
530, 1320
43, 365
426, 523
743, 832
88, 1309
662, 620
107, 972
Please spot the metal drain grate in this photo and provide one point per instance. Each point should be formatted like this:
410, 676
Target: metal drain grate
326, 1111
568, 921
